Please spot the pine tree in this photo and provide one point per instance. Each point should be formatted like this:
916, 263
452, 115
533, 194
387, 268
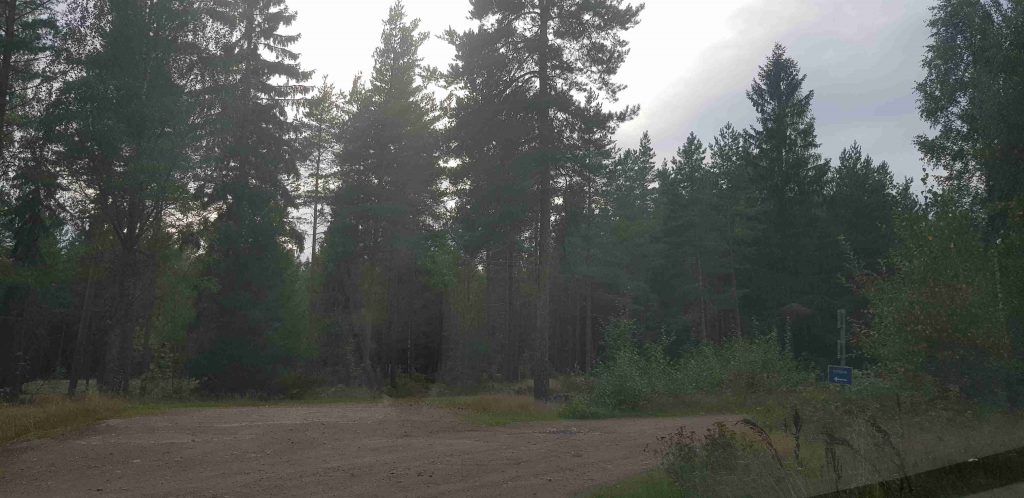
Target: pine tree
738, 208
617, 252
127, 120
863, 203
246, 330
320, 125
557, 50
690, 237
491, 179
386, 204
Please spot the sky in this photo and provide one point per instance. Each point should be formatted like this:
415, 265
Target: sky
691, 62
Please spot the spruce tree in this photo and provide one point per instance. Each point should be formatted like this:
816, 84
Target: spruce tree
688, 237
29, 34
795, 262
29, 183
246, 331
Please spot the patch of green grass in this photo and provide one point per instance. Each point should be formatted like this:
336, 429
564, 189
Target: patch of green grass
498, 409
654, 484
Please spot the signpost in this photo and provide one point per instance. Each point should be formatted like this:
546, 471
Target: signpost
841, 374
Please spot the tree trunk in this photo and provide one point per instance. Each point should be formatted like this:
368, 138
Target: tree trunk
738, 325
590, 327
511, 339
1015, 379
9, 382
541, 364
577, 324
78, 363
117, 373
703, 302
316, 205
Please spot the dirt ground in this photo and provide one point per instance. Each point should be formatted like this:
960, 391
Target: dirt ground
379, 449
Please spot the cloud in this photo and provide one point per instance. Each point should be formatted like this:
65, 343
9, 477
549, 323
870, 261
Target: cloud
862, 60
692, 61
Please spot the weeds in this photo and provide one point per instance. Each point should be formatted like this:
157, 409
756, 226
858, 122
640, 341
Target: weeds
843, 442
54, 415
498, 409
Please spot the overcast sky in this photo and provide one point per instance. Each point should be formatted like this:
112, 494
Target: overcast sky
692, 60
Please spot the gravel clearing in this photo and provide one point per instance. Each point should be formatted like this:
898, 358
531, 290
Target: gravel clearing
382, 449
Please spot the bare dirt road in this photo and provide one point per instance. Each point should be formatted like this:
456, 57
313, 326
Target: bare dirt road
380, 449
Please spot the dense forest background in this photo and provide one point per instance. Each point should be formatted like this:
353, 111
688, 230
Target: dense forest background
180, 199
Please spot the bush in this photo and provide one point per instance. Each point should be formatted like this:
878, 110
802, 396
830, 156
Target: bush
297, 385
941, 316
741, 366
410, 386
692, 460
630, 378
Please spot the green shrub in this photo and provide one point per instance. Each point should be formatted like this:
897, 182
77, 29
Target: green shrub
628, 377
297, 385
410, 386
631, 378
743, 366
941, 316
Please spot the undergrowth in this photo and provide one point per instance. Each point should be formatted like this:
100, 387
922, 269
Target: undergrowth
634, 379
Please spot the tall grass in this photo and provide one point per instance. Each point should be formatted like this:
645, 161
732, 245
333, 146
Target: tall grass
832, 441
54, 415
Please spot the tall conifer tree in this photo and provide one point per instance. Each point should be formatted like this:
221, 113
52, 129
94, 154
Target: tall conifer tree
386, 204
793, 266
28, 180
128, 125
320, 125
244, 331
556, 50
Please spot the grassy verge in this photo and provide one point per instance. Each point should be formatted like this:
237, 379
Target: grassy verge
51, 415
655, 484
498, 409
822, 440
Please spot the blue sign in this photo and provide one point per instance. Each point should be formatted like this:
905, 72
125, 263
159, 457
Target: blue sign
840, 375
